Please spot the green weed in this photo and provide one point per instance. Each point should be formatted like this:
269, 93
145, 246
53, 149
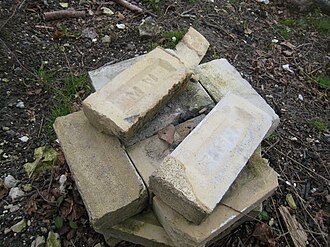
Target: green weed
155, 4
323, 81
318, 124
172, 38
290, 22
318, 22
322, 25
272, 137
284, 32
67, 33
66, 93
43, 76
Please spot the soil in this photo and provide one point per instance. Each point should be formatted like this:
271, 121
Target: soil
37, 56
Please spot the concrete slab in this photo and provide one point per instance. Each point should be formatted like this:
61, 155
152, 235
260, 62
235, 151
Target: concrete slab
192, 48
108, 183
219, 77
134, 96
142, 229
148, 154
255, 183
197, 174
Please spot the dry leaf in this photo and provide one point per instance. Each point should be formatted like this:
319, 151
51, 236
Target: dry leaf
264, 233
33, 92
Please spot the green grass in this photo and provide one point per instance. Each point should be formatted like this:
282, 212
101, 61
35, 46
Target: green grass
272, 137
323, 81
319, 22
65, 93
168, 40
289, 22
172, 38
322, 25
284, 32
318, 124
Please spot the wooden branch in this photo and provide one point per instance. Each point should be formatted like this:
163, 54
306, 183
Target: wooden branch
54, 15
129, 6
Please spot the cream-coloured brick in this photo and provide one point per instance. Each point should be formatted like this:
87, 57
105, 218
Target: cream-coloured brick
108, 182
134, 96
255, 183
145, 229
197, 174
192, 48
142, 229
219, 77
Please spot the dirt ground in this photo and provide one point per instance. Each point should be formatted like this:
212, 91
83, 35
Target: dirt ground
284, 54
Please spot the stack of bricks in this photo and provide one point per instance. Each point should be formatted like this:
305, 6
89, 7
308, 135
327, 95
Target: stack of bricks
189, 189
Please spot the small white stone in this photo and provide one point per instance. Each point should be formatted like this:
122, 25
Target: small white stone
62, 179
107, 11
15, 192
24, 139
64, 5
121, 26
271, 222
62, 183
300, 97
275, 41
293, 138
287, 68
10, 181
313, 190
44, 229
20, 104
14, 208
106, 39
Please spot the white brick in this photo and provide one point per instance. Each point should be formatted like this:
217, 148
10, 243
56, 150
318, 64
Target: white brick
192, 48
134, 96
108, 182
197, 174
219, 77
256, 182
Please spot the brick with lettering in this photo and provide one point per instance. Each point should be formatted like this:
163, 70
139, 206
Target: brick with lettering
130, 99
197, 174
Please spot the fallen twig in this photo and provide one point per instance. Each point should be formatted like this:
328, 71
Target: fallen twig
44, 27
129, 6
59, 14
133, 7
